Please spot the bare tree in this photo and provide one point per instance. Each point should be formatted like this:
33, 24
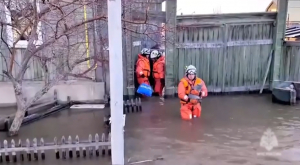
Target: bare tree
60, 49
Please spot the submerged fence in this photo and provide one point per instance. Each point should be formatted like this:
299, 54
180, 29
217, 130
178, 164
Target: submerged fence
13, 152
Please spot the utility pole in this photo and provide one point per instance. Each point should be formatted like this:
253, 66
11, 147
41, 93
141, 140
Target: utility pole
116, 80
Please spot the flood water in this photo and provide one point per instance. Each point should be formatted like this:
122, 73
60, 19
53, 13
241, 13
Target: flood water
228, 132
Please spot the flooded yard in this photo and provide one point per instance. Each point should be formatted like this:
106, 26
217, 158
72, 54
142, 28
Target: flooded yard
229, 132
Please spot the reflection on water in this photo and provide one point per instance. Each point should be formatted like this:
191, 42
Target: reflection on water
228, 132
65, 123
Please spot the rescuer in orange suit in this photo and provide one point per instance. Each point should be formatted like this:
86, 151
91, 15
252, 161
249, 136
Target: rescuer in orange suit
158, 71
188, 94
143, 67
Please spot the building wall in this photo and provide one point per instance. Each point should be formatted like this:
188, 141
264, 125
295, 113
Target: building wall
293, 10
4, 51
57, 51
272, 8
80, 45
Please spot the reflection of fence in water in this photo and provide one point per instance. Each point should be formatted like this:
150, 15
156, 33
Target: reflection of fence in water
81, 148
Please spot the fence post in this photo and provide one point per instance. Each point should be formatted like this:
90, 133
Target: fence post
97, 144
21, 153
225, 50
28, 149
70, 149
171, 40
13, 145
35, 152
63, 141
278, 40
1, 160
56, 150
77, 148
5, 145
90, 148
42, 143
116, 82
103, 147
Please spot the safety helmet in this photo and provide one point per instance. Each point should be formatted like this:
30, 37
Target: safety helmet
145, 51
155, 54
191, 69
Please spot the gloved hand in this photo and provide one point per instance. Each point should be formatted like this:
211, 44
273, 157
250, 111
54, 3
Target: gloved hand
186, 98
194, 92
202, 93
142, 74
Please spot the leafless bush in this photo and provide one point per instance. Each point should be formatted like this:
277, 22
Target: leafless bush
51, 35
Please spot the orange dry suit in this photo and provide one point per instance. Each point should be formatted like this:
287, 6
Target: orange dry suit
159, 74
142, 69
190, 108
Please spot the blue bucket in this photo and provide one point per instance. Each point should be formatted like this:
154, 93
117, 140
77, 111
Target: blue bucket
145, 89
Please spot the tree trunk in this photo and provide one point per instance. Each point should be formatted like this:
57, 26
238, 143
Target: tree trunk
21, 109
23, 106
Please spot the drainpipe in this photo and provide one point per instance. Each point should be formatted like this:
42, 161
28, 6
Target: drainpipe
87, 37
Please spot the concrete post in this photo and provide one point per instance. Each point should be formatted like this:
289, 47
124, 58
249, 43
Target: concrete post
116, 80
278, 40
171, 6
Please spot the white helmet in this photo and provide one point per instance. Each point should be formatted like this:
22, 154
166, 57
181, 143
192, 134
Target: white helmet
191, 69
145, 51
154, 54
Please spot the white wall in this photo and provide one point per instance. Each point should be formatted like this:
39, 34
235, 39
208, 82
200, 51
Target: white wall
294, 10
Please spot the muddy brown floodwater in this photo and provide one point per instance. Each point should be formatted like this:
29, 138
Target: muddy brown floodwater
228, 132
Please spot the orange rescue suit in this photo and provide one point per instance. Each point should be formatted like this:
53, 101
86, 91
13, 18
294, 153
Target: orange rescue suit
190, 108
143, 66
159, 74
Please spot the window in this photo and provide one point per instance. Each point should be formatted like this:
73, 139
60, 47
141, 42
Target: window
19, 24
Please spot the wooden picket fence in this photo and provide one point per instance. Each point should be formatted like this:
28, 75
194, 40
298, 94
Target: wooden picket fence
9, 152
